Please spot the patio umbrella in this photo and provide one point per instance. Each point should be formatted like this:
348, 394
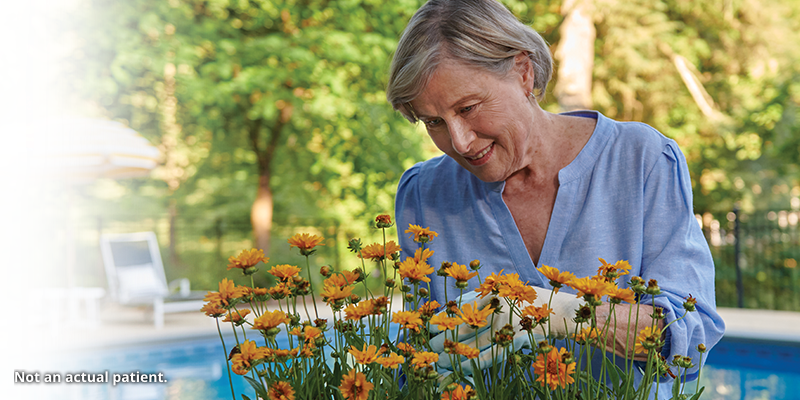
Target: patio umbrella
80, 150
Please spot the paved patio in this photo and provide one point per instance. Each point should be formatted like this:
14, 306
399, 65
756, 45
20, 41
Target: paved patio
120, 326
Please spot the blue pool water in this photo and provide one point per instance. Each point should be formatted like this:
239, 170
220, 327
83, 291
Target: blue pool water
195, 369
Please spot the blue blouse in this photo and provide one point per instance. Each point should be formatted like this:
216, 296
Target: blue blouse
626, 196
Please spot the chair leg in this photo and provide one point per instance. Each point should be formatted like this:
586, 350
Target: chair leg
158, 312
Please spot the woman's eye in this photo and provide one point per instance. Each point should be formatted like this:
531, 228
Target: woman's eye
467, 109
432, 122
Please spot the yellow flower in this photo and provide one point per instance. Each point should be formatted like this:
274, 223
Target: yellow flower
357, 311
281, 391
236, 316
227, 291
553, 369
424, 358
613, 271
589, 286
429, 308
444, 322
626, 295
343, 278
649, 338
375, 251
466, 351
367, 355
247, 259
422, 255
213, 309
460, 272
537, 313
518, 292
459, 393
284, 272
474, 317
270, 320
391, 361
557, 278
406, 348
587, 334
333, 293
355, 386
305, 241
281, 290
490, 284
407, 319
415, 271
248, 351
420, 234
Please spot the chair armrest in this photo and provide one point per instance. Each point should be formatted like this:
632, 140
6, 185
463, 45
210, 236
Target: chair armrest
182, 286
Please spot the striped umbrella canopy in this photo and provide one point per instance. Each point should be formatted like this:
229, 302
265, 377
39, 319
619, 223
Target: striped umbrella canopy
78, 151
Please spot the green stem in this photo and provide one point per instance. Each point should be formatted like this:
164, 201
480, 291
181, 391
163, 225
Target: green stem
227, 362
311, 283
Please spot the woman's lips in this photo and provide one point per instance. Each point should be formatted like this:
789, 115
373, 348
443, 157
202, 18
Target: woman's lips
482, 157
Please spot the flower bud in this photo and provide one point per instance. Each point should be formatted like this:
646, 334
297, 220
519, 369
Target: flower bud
325, 270
391, 283
701, 348
689, 304
462, 284
409, 297
354, 245
475, 265
423, 292
383, 221
354, 298
652, 288
405, 288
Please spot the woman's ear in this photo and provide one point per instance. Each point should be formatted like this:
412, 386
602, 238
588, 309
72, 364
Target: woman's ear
524, 69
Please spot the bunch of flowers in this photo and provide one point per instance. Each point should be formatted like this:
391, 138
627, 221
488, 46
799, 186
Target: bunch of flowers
365, 346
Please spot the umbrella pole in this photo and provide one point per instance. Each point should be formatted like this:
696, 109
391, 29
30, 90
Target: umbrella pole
70, 238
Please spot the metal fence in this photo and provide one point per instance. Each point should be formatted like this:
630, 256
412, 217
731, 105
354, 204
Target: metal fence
756, 255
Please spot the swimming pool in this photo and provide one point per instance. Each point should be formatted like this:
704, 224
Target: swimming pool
195, 369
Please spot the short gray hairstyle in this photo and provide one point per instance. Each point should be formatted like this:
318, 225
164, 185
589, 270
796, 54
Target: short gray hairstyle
480, 33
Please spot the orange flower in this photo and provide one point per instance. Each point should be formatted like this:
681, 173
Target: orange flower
308, 333
590, 286
415, 271
424, 358
227, 291
466, 351
429, 308
248, 351
236, 316
557, 278
305, 242
474, 317
420, 234
247, 259
459, 393
460, 272
375, 251
537, 313
281, 391
408, 319
284, 272
270, 320
357, 311
333, 293
355, 386
384, 219
613, 271
391, 361
342, 278
406, 348
213, 309
367, 355
554, 369
444, 322
281, 290
422, 255
490, 284
518, 292
587, 334
617, 295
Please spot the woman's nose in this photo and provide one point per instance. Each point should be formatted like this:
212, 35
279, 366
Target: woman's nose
461, 136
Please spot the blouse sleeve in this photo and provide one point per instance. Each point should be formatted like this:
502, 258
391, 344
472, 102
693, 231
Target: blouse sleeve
676, 254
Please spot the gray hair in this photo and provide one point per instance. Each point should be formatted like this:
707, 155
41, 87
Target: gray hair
480, 33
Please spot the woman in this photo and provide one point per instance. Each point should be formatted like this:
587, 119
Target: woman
520, 187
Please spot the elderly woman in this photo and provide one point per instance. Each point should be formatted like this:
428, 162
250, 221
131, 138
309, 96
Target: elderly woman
519, 187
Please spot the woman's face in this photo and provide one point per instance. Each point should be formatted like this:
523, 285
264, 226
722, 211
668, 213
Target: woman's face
483, 122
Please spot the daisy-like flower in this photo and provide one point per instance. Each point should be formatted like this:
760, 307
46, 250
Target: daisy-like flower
213, 309
586, 335
333, 293
588, 286
406, 348
284, 272
490, 284
367, 355
357, 311
241, 362
424, 358
459, 393
343, 278
556, 277
270, 320
281, 391
474, 317
305, 242
617, 295
246, 260
383, 221
415, 271
227, 291
408, 319
461, 274
690, 303
281, 290
443, 322
393, 360
554, 369
422, 255
354, 386
375, 251
420, 234
537, 313
236, 316
613, 271
465, 350
649, 338
428, 309
518, 293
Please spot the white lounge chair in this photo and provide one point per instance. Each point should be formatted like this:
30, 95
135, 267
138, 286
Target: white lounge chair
136, 276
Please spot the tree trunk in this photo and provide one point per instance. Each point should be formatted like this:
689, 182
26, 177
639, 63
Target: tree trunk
575, 56
261, 213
